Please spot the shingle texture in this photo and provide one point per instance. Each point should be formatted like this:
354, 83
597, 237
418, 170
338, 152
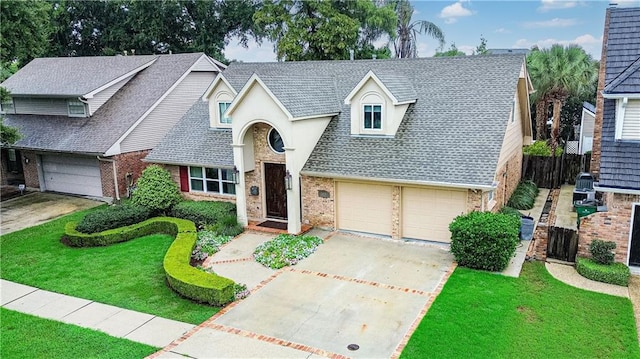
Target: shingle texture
453, 133
620, 162
192, 142
589, 107
96, 134
71, 76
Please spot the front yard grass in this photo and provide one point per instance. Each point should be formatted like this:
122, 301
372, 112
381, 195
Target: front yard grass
127, 275
483, 315
26, 336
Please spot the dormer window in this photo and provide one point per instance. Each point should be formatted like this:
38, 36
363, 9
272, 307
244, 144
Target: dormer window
77, 108
222, 107
372, 117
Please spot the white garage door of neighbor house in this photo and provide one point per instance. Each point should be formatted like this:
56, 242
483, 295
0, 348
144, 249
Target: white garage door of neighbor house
72, 174
364, 207
426, 213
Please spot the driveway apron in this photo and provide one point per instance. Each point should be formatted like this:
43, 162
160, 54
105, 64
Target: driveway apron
370, 292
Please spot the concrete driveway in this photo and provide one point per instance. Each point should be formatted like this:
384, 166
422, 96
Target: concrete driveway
353, 290
38, 207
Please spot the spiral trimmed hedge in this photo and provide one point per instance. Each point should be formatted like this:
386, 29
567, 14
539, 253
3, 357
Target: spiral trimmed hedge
181, 276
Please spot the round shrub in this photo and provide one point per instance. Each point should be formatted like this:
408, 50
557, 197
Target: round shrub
156, 190
601, 251
113, 217
204, 213
484, 240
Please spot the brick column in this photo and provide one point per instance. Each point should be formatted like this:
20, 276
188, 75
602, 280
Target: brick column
596, 151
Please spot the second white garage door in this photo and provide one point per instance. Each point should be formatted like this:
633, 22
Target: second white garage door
364, 207
72, 174
426, 213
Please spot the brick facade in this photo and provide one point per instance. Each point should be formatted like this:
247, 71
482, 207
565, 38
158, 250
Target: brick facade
197, 196
318, 202
474, 200
596, 150
30, 169
613, 225
126, 163
510, 175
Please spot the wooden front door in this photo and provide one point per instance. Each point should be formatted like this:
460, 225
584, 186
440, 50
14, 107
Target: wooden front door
634, 252
275, 190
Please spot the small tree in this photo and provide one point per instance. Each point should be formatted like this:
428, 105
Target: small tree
601, 251
156, 190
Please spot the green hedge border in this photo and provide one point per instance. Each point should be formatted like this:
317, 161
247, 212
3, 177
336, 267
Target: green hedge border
616, 273
190, 282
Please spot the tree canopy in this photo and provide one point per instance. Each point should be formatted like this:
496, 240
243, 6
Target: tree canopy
326, 30
24, 32
406, 43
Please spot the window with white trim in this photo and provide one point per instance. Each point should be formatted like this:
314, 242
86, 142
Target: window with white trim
211, 180
222, 107
372, 117
628, 119
490, 195
6, 106
77, 108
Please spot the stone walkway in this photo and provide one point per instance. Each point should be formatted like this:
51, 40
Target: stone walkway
123, 323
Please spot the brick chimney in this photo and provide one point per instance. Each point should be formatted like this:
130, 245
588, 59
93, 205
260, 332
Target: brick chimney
596, 151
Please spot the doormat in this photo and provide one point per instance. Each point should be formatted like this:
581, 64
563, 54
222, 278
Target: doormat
273, 224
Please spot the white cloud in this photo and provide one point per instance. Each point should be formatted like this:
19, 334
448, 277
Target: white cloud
502, 30
467, 49
592, 45
254, 52
555, 22
452, 12
547, 5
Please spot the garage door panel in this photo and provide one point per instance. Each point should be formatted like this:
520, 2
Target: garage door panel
364, 207
72, 174
427, 212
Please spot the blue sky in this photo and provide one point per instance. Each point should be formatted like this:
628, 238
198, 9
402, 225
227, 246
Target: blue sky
505, 24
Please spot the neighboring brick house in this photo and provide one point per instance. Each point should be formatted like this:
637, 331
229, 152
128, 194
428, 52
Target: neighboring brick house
391, 147
616, 143
87, 122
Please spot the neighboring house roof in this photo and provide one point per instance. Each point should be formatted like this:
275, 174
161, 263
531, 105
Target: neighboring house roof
72, 76
192, 142
508, 51
589, 107
452, 134
620, 160
96, 134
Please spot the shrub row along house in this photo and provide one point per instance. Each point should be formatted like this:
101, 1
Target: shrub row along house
616, 144
391, 147
88, 121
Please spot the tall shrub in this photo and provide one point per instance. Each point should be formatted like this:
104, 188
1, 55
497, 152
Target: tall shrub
601, 251
156, 190
484, 240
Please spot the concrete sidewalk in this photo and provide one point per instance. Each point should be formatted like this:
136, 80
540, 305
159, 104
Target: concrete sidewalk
123, 323
569, 275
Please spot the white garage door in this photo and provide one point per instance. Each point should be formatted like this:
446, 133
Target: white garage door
426, 213
364, 207
72, 174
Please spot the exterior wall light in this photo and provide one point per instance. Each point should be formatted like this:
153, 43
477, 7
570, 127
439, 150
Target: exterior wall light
288, 180
236, 175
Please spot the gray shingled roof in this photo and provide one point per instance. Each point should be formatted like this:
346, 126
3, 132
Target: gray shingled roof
71, 76
589, 107
303, 95
193, 142
399, 86
620, 160
96, 134
452, 134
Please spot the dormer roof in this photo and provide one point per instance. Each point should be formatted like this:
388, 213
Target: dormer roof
397, 87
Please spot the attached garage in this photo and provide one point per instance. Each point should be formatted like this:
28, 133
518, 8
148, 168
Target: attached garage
427, 212
72, 174
364, 207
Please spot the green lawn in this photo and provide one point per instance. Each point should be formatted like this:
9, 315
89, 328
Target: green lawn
26, 336
127, 275
483, 315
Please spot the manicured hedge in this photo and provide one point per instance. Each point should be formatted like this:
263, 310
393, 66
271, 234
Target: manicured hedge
616, 273
203, 213
484, 240
182, 277
113, 217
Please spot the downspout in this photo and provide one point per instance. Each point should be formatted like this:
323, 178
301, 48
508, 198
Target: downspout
115, 175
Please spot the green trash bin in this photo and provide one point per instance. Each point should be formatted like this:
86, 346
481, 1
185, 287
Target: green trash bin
584, 210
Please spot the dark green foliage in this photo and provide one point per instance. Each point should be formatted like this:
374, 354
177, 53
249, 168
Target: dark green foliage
156, 190
8, 135
484, 240
25, 29
227, 226
524, 196
510, 211
188, 281
204, 213
601, 251
113, 217
540, 148
616, 273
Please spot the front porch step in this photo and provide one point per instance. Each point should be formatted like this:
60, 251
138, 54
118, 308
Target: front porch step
253, 226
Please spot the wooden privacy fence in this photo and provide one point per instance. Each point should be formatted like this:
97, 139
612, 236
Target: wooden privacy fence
562, 244
551, 172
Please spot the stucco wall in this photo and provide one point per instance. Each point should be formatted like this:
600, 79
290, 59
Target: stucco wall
613, 225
